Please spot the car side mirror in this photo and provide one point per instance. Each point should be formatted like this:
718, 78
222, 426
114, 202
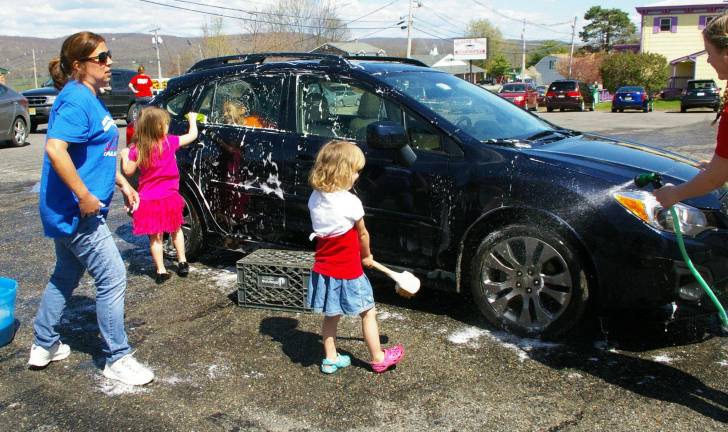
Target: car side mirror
389, 135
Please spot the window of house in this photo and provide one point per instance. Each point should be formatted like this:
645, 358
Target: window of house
552, 64
704, 20
665, 24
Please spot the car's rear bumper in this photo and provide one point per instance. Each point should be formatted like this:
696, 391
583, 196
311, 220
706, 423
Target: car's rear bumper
699, 102
634, 104
563, 103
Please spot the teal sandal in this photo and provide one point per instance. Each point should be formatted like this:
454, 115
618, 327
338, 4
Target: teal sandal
329, 366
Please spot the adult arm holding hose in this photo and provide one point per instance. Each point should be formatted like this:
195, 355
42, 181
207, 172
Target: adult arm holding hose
715, 173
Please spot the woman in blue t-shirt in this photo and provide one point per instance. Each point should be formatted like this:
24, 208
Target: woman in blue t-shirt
77, 185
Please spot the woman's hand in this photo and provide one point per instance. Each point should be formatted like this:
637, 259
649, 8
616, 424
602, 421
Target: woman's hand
368, 261
89, 205
667, 195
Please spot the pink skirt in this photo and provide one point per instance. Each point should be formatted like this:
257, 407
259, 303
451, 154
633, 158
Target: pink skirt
158, 216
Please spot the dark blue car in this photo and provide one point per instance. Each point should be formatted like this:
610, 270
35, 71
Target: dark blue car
631, 97
461, 187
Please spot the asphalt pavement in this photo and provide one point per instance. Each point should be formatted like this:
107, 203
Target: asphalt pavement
221, 367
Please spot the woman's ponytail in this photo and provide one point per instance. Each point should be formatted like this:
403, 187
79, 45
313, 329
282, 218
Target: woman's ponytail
56, 69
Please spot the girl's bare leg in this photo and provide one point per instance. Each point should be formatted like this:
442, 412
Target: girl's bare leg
328, 333
156, 247
370, 329
178, 238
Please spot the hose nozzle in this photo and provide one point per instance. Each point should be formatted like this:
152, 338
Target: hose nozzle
652, 178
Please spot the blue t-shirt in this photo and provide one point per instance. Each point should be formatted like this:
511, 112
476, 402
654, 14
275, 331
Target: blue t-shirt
81, 119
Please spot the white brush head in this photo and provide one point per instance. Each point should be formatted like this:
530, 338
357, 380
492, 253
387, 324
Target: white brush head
406, 282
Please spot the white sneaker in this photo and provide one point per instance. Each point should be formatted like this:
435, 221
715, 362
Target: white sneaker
129, 371
40, 357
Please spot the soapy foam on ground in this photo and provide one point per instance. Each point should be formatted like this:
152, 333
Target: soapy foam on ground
225, 279
385, 315
115, 388
216, 371
662, 359
523, 347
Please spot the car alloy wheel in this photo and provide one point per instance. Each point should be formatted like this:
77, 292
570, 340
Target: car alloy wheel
20, 132
528, 280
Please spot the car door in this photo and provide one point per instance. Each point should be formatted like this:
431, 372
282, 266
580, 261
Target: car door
7, 112
235, 165
405, 205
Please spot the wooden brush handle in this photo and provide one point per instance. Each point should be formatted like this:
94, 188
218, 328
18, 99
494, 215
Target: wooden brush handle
383, 269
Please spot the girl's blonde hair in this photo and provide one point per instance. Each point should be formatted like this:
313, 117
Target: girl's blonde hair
335, 165
149, 130
716, 32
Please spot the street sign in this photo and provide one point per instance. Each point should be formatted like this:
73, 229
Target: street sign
470, 49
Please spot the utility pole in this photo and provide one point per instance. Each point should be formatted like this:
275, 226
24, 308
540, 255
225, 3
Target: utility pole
35, 70
571, 51
523, 52
157, 40
409, 31
179, 67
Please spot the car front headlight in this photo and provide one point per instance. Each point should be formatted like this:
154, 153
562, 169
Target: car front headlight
645, 207
50, 99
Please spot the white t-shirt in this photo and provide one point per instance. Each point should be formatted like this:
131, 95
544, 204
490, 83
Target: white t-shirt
333, 213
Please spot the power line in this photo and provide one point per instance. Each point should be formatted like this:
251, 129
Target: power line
522, 20
257, 20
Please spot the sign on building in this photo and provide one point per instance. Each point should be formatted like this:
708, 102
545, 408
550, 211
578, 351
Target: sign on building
470, 49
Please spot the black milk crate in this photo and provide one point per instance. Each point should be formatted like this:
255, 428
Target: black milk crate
274, 279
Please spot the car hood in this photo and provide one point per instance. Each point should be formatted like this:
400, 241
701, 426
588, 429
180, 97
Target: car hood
42, 91
618, 162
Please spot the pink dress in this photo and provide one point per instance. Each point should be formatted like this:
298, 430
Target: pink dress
160, 204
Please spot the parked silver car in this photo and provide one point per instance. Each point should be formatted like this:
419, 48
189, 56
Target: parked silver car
14, 119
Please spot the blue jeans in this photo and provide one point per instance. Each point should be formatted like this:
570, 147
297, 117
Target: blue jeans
91, 248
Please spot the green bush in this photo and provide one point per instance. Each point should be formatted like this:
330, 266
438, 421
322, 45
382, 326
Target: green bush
648, 70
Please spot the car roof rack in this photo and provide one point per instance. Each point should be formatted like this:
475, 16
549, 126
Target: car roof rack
386, 59
258, 58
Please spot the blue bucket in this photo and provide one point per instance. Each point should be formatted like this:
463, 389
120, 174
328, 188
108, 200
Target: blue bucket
8, 288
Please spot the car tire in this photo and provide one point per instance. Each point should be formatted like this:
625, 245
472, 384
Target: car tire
621, 110
193, 230
20, 132
682, 109
614, 110
130, 113
593, 106
553, 284
549, 109
716, 108
582, 107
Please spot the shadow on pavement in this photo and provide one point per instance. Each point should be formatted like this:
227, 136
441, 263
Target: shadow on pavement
302, 347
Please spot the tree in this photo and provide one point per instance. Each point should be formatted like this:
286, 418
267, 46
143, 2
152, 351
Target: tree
499, 66
482, 28
584, 67
606, 28
648, 70
214, 43
546, 48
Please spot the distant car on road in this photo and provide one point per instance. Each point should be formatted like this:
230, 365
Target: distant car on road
14, 120
340, 95
522, 94
569, 94
119, 100
700, 94
542, 89
631, 97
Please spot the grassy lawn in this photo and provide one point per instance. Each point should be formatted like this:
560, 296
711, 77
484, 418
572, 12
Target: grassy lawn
660, 105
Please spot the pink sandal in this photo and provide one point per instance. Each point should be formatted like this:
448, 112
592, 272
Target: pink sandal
392, 356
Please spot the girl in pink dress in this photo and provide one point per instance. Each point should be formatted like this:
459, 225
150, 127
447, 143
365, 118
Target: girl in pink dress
160, 204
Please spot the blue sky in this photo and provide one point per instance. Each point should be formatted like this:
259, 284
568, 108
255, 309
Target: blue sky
547, 19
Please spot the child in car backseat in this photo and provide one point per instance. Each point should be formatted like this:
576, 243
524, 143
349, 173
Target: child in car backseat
338, 285
160, 204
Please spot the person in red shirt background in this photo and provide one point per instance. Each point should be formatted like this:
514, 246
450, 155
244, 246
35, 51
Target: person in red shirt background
141, 85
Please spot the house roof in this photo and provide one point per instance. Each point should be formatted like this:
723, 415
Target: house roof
427, 59
689, 57
352, 48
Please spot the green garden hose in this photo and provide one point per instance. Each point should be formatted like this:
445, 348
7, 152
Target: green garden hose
643, 180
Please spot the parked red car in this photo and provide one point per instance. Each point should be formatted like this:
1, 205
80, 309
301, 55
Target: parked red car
521, 94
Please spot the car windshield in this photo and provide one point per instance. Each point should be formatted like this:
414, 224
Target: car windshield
513, 88
482, 114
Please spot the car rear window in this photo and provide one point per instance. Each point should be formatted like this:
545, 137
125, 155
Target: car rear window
563, 85
701, 84
514, 88
630, 89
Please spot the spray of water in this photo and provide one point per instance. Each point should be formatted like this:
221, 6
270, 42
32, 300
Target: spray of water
599, 199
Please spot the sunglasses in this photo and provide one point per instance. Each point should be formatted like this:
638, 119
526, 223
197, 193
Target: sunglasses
101, 58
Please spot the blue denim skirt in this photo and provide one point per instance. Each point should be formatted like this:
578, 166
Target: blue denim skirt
332, 296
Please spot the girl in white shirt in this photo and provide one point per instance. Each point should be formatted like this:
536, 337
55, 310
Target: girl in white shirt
338, 285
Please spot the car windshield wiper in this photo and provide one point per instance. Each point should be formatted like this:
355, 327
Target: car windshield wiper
559, 134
